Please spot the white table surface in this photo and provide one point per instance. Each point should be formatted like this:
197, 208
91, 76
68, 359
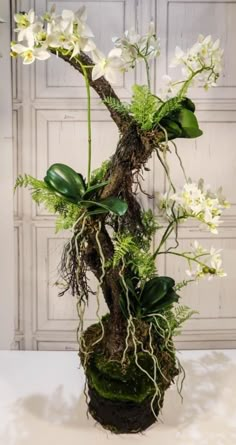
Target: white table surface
41, 403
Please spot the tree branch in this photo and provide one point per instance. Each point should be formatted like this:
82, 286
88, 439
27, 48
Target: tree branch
135, 146
101, 86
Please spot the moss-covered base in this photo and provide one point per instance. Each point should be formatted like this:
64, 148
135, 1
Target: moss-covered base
126, 394
121, 417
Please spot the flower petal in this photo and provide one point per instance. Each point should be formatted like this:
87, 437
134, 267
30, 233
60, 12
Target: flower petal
97, 72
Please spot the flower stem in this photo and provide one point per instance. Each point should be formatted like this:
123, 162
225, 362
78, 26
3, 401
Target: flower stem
89, 122
166, 234
187, 257
148, 73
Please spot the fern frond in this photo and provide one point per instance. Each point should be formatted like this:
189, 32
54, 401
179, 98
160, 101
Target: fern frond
181, 315
67, 219
116, 105
142, 264
168, 107
139, 259
144, 106
122, 246
99, 173
42, 194
29, 181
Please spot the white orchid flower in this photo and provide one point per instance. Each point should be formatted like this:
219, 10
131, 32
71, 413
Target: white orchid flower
179, 55
70, 32
24, 20
83, 44
202, 62
30, 54
207, 263
195, 202
136, 47
169, 88
75, 23
107, 66
27, 27
80, 20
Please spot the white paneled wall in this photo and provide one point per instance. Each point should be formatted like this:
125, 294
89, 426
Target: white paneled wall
49, 120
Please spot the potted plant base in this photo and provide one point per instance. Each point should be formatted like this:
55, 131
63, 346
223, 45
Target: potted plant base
126, 392
121, 417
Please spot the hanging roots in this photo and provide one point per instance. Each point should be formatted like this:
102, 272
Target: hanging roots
73, 268
81, 304
73, 271
165, 333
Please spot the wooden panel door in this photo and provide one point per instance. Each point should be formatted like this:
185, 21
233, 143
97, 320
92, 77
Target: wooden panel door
50, 126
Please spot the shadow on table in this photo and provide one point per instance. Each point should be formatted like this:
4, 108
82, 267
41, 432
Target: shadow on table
207, 381
57, 409
207, 378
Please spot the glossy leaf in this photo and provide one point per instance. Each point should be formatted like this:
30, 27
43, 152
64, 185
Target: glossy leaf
173, 129
155, 289
65, 181
94, 188
187, 103
112, 204
158, 294
189, 123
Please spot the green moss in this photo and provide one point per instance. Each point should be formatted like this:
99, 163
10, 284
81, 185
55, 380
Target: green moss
112, 382
126, 382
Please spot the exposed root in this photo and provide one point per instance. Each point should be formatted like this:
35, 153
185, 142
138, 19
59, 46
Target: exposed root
99, 318
180, 160
131, 332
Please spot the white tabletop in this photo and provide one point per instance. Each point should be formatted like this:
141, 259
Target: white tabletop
41, 403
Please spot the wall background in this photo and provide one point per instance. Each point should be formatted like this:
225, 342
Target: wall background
6, 185
49, 121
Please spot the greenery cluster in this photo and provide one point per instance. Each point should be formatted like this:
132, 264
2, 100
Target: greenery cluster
144, 107
67, 212
129, 252
174, 116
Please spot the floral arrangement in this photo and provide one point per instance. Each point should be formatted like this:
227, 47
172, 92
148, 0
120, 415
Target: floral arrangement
129, 355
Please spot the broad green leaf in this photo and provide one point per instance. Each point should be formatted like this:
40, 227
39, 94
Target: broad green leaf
113, 205
65, 181
189, 123
155, 289
173, 129
90, 190
187, 103
192, 132
171, 298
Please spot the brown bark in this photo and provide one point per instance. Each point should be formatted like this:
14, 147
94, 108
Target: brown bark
133, 151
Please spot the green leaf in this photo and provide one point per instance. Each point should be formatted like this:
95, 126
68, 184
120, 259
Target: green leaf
155, 289
157, 294
192, 132
98, 211
116, 105
188, 103
144, 106
189, 123
90, 190
173, 129
65, 182
167, 108
171, 298
112, 204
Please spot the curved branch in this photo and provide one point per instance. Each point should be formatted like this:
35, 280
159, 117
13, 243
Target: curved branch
101, 86
133, 151
135, 146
